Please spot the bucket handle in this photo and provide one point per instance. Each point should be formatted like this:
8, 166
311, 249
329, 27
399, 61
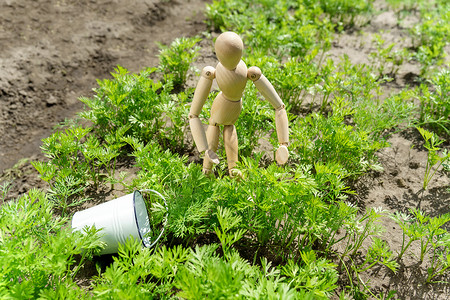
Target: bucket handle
165, 217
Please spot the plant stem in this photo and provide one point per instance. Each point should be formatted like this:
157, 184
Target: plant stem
404, 248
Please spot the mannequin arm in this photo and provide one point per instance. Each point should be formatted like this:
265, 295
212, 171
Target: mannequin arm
281, 121
200, 95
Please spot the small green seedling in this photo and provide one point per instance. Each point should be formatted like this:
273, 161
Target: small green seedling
434, 159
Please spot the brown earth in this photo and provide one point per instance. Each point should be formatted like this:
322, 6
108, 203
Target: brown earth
52, 52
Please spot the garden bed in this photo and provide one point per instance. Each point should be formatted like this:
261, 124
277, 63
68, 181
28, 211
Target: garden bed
53, 55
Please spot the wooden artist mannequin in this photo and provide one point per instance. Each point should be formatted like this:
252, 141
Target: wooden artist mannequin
231, 75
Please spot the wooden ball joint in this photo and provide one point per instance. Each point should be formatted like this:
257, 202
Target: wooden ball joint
231, 75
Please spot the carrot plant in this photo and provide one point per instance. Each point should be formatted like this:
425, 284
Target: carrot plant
254, 123
62, 148
185, 186
290, 210
360, 229
342, 12
379, 118
440, 261
77, 161
140, 272
430, 35
410, 229
331, 141
145, 105
315, 274
434, 108
435, 232
378, 253
403, 5
419, 227
64, 172
434, 159
35, 260
207, 275
294, 79
355, 82
227, 222
175, 60
430, 232
198, 273
295, 35
263, 201
4, 189
385, 59
128, 105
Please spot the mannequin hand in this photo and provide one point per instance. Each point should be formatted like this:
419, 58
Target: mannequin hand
282, 154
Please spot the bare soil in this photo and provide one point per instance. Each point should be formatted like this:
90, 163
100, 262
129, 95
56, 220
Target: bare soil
52, 52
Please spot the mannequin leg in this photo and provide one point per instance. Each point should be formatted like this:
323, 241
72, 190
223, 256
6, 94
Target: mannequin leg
231, 148
212, 135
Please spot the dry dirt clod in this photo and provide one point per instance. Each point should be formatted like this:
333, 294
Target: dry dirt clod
51, 100
413, 165
401, 183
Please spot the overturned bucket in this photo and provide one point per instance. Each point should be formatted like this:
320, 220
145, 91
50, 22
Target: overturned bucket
119, 219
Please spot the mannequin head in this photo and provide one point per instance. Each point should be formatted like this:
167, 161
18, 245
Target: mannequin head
229, 47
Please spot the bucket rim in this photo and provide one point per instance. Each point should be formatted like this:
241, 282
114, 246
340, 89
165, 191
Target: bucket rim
136, 192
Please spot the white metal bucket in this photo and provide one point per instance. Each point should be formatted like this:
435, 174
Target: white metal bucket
119, 219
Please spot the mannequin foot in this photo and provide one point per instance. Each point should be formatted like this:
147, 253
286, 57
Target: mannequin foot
212, 156
207, 172
235, 173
